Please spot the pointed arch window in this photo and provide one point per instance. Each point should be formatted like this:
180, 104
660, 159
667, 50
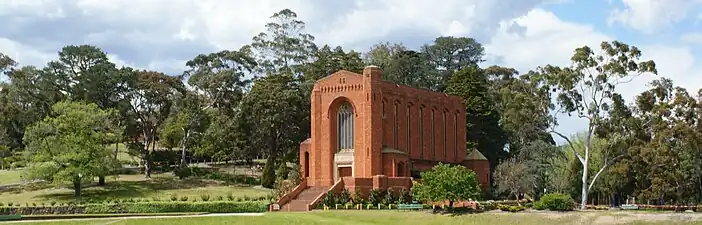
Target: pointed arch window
345, 127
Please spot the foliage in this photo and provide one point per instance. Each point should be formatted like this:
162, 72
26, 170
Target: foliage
343, 197
511, 208
357, 197
375, 197
69, 147
329, 199
482, 118
268, 176
588, 89
555, 202
447, 182
515, 178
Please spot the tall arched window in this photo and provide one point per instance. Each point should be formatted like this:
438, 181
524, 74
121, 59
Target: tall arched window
408, 136
345, 127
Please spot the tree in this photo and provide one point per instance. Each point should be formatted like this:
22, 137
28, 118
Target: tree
268, 176
447, 182
412, 69
69, 146
217, 82
586, 89
284, 48
382, 54
482, 119
274, 106
449, 55
150, 97
515, 178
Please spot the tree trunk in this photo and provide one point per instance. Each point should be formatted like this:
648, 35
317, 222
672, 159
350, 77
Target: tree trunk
184, 148
147, 158
584, 189
450, 204
116, 151
101, 181
76, 188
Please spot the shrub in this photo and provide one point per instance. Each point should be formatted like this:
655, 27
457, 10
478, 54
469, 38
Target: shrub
282, 171
156, 199
174, 197
268, 176
555, 202
2, 204
53, 203
164, 207
389, 198
10, 204
344, 197
329, 199
404, 197
220, 198
204, 197
511, 208
230, 197
357, 199
375, 196
184, 198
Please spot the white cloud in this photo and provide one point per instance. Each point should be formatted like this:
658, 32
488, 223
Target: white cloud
692, 38
23, 54
546, 40
549, 40
651, 15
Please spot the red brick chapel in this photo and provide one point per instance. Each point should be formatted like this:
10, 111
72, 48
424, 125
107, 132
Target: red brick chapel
368, 133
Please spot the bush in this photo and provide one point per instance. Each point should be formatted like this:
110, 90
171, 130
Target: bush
357, 199
555, 202
184, 198
388, 197
511, 208
165, 207
268, 176
375, 196
204, 197
230, 197
405, 197
329, 199
220, 198
344, 197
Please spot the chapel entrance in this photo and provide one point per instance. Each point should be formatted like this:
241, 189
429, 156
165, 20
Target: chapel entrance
344, 171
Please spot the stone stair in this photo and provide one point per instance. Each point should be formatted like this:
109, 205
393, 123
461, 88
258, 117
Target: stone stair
301, 201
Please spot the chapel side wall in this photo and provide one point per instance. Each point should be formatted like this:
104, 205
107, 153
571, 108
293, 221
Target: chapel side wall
427, 100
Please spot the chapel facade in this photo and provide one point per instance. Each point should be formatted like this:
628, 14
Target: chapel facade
370, 133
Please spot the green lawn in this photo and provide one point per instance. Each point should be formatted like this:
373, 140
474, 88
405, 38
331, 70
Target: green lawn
414, 218
11, 176
161, 186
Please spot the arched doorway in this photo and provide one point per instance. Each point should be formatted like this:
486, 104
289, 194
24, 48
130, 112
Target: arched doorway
400, 170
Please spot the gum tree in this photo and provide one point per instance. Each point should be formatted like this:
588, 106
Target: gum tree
586, 89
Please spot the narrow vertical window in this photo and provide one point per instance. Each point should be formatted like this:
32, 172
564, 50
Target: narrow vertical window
443, 143
408, 138
455, 136
395, 125
421, 132
433, 136
345, 127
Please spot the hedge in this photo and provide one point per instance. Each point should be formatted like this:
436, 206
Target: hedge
142, 207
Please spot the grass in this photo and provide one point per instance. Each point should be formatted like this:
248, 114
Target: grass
396, 217
161, 186
11, 176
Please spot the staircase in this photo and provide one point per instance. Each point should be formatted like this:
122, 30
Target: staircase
301, 201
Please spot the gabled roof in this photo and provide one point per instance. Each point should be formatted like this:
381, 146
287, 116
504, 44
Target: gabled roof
475, 155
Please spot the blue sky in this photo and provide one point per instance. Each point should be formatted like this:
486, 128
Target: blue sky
163, 34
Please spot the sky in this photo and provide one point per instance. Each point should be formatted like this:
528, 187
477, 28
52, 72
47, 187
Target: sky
523, 34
